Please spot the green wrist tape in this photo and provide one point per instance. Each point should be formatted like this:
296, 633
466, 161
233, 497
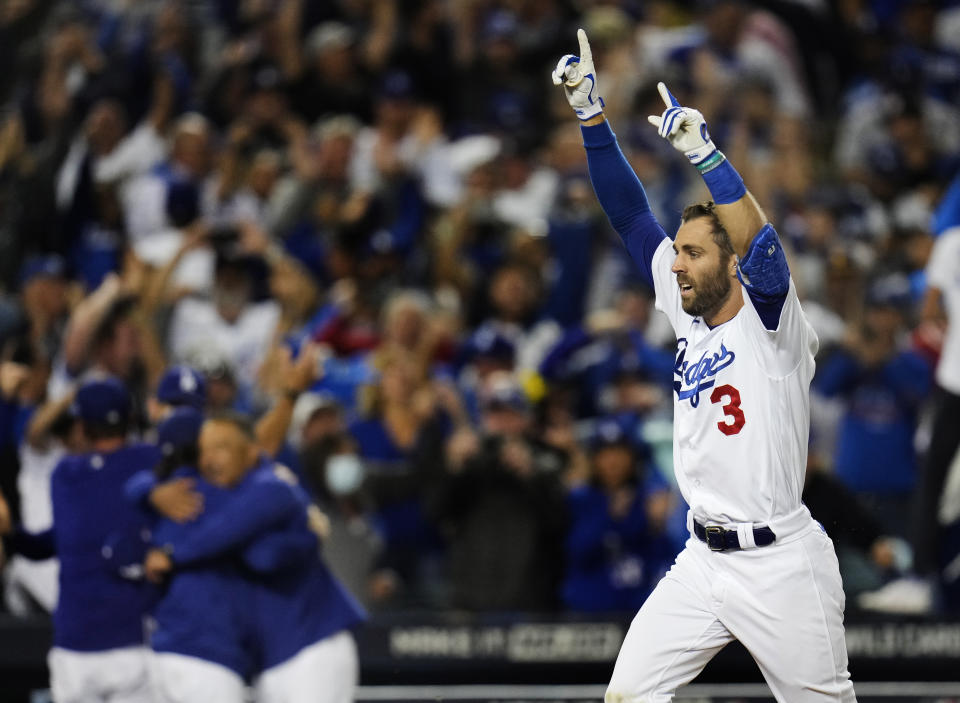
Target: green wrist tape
711, 162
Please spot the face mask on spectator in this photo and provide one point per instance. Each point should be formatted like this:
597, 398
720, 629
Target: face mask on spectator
344, 474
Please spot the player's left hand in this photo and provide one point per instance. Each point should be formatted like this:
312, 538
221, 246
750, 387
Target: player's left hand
579, 80
684, 127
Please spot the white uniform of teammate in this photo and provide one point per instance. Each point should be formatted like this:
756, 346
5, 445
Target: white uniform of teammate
757, 567
28, 579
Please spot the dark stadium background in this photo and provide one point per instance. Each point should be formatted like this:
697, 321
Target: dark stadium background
399, 182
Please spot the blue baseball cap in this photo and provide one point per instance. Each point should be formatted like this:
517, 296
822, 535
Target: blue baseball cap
49, 265
182, 386
610, 432
488, 343
180, 428
104, 401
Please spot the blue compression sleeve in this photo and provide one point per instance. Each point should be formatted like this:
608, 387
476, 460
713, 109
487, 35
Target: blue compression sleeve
280, 550
725, 184
622, 197
255, 510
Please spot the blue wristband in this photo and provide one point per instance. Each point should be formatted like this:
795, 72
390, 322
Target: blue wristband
724, 183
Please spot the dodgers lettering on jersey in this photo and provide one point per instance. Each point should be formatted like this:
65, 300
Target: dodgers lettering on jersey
741, 406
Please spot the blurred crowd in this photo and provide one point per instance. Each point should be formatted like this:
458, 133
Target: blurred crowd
394, 191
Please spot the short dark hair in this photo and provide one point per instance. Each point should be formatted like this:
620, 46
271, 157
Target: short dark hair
184, 455
708, 209
239, 420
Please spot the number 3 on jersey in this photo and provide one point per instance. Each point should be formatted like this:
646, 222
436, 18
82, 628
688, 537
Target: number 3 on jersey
730, 410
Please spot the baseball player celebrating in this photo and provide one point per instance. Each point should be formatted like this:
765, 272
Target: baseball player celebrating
299, 616
99, 653
757, 567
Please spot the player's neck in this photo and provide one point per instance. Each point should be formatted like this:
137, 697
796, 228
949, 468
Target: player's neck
107, 445
728, 308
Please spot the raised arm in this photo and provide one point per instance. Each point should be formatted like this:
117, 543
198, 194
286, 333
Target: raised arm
761, 262
686, 130
618, 189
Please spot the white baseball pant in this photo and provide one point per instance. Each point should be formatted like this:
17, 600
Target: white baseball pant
783, 602
112, 676
325, 672
178, 678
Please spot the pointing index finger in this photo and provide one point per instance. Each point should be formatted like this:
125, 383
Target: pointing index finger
585, 53
667, 96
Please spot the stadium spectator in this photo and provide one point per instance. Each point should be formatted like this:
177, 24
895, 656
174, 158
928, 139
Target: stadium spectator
868, 555
501, 509
883, 385
232, 322
939, 313
616, 547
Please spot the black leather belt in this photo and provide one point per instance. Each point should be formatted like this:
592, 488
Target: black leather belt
722, 540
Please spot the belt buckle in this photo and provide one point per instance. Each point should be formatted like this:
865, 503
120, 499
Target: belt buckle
715, 538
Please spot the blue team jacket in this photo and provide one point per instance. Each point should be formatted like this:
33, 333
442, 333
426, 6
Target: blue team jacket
98, 609
204, 608
612, 564
296, 600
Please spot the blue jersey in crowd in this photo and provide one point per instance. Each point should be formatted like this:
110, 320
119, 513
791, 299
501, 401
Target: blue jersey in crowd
612, 563
874, 450
98, 609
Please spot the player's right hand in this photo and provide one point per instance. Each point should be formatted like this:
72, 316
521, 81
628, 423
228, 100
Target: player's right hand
157, 565
579, 80
684, 127
177, 499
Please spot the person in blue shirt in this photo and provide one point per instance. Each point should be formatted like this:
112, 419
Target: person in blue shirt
883, 387
300, 618
98, 649
616, 545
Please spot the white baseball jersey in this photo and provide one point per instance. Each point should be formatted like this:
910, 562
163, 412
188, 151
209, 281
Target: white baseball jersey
943, 272
741, 406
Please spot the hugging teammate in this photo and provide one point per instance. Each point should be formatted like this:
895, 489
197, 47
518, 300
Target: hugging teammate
757, 567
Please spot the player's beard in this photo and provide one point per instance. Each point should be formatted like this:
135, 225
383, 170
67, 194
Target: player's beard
710, 292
